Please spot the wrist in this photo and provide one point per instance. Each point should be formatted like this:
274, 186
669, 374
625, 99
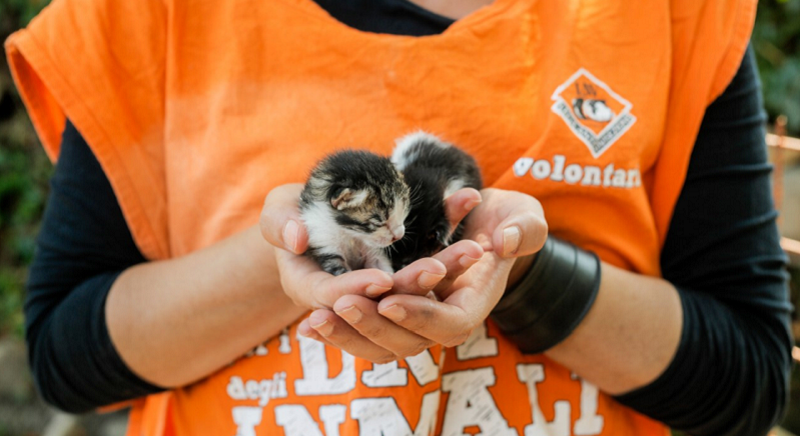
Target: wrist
551, 298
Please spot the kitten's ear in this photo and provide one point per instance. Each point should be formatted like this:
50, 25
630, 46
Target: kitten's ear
348, 198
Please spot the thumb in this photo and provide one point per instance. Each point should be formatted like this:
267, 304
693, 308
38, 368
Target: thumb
280, 221
522, 232
460, 203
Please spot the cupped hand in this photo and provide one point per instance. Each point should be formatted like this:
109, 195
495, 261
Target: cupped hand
511, 225
511, 228
301, 278
507, 225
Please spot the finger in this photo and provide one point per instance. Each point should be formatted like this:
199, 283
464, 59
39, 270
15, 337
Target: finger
511, 222
420, 277
318, 325
280, 219
330, 329
460, 203
522, 233
327, 327
309, 286
457, 258
435, 321
362, 315
469, 302
439, 272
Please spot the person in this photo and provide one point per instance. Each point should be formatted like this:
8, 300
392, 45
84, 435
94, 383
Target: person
642, 148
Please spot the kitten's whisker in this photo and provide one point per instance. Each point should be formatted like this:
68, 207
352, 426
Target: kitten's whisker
414, 196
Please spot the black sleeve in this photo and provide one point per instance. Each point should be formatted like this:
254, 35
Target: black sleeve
83, 245
730, 374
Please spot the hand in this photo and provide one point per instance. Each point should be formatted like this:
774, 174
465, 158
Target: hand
507, 224
510, 224
301, 278
310, 287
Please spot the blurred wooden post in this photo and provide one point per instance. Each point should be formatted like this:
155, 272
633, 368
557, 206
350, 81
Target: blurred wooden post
781, 144
777, 188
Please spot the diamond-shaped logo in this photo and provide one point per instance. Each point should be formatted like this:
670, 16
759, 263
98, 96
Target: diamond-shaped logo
596, 114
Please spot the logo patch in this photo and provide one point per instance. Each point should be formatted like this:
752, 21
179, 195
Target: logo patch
596, 114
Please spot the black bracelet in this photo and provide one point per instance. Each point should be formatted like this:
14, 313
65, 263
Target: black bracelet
551, 299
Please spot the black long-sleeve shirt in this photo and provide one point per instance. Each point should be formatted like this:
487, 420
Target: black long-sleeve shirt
729, 375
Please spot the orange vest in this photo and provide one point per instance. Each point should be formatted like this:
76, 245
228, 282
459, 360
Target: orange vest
196, 109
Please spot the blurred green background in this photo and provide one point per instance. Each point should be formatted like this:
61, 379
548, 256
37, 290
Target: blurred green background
25, 170
24, 173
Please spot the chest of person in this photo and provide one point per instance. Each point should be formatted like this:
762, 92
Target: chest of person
551, 100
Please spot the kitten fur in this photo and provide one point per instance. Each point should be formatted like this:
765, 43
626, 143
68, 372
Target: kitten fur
354, 205
433, 170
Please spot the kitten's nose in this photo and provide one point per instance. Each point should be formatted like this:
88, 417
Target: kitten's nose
398, 232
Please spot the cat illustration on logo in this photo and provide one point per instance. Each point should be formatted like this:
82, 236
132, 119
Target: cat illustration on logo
595, 110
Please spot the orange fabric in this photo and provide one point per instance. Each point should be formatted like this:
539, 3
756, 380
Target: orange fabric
103, 63
197, 109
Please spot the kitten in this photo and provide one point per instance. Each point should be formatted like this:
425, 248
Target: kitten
433, 170
354, 205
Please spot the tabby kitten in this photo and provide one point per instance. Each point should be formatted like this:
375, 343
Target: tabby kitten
354, 205
433, 170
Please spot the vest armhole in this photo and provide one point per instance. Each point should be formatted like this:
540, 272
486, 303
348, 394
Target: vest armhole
47, 117
732, 59
50, 100
697, 55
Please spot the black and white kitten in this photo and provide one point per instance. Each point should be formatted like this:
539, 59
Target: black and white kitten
433, 170
354, 205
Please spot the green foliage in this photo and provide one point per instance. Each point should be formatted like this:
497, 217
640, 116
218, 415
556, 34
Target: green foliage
24, 171
776, 41
20, 12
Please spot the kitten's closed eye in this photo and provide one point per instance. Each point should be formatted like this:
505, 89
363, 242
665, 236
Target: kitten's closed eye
377, 222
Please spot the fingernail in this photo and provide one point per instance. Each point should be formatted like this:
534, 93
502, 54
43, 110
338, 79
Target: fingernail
374, 290
290, 235
467, 261
304, 328
352, 315
428, 280
511, 240
324, 328
394, 312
